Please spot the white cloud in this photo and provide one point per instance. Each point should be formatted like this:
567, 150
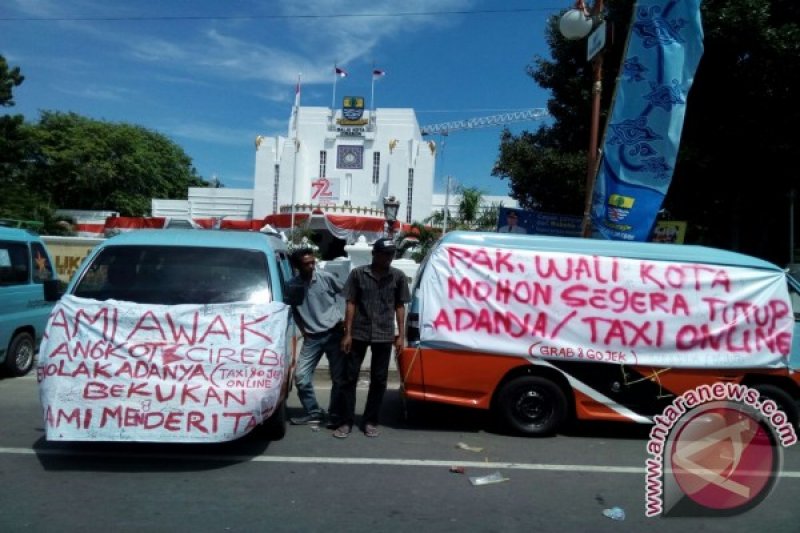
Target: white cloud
158, 50
276, 93
311, 46
97, 93
227, 48
37, 8
62, 8
275, 126
209, 133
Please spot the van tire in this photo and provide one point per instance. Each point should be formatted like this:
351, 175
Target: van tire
20, 354
532, 405
785, 402
275, 426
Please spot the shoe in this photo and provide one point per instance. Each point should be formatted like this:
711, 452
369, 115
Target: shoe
371, 430
343, 431
313, 419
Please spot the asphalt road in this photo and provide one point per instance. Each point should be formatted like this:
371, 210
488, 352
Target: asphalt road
310, 481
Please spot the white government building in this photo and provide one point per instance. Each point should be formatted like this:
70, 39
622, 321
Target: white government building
336, 167
346, 158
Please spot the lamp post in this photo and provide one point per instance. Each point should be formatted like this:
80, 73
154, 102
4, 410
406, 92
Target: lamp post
390, 208
576, 24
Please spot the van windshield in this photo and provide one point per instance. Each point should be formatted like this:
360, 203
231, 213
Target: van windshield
171, 275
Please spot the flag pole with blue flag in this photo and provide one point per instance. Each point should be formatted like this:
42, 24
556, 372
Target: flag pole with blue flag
643, 132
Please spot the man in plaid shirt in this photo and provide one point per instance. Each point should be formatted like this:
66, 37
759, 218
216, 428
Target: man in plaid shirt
376, 295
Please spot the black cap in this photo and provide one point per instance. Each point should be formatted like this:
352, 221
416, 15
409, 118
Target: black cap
384, 245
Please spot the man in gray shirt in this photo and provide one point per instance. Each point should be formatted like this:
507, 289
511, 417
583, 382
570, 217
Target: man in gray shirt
318, 306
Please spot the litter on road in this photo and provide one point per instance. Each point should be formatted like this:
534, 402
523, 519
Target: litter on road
495, 477
469, 448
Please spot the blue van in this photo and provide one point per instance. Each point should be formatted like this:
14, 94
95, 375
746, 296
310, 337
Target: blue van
25, 264
203, 372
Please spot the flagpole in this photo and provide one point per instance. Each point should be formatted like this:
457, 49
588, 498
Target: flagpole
335, 79
296, 149
372, 95
376, 73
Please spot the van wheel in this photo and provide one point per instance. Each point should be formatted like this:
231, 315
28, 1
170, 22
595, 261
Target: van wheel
275, 426
784, 401
19, 357
532, 405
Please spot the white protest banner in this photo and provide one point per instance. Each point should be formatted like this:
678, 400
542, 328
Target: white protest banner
606, 309
119, 371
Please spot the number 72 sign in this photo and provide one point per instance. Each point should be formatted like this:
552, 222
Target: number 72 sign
325, 190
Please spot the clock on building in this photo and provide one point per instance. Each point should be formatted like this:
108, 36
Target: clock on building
350, 157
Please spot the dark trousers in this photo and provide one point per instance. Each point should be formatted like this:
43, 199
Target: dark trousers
378, 375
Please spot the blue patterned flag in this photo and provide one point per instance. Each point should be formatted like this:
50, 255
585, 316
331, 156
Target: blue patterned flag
644, 130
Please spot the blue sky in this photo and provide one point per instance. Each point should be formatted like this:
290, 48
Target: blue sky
212, 75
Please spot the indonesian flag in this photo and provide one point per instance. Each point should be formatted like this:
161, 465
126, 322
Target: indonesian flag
377, 73
340, 72
297, 94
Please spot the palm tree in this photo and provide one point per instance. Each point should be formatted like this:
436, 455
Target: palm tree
469, 207
487, 221
422, 237
473, 213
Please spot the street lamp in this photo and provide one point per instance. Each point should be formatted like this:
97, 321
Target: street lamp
390, 208
576, 24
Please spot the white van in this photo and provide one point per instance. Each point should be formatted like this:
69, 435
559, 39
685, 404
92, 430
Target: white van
547, 329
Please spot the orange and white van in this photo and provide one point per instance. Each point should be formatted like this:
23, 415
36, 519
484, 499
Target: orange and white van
547, 329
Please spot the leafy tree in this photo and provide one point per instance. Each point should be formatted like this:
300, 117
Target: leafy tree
9, 78
735, 169
469, 206
421, 237
542, 177
12, 141
472, 213
547, 168
73, 162
17, 201
91, 164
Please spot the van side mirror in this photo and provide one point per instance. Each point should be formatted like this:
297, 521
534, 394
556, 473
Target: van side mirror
52, 290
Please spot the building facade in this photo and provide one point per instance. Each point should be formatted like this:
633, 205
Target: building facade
346, 161
331, 174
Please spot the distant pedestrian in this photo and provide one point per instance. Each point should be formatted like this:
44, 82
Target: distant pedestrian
375, 316
318, 307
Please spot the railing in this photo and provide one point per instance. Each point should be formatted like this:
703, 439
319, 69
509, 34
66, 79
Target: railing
339, 209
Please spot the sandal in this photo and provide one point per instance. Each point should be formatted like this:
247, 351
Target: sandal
342, 432
371, 431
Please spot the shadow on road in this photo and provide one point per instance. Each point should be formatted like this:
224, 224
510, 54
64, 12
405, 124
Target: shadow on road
146, 456
429, 416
